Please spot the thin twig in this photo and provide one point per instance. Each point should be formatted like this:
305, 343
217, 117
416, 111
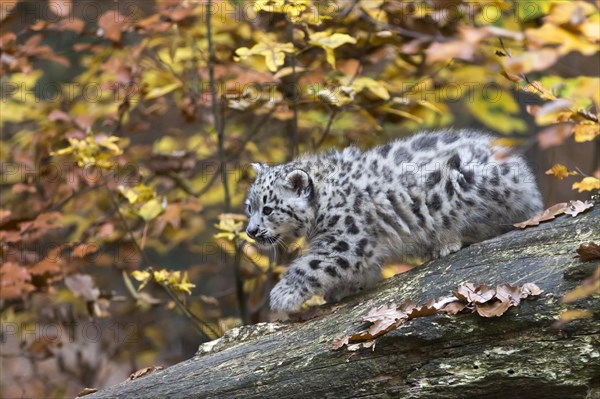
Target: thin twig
114, 202
218, 115
75, 194
401, 31
239, 284
183, 185
200, 325
294, 128
327, 129
197, 322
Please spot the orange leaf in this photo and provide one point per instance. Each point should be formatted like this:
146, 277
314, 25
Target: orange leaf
560, 171
547, 214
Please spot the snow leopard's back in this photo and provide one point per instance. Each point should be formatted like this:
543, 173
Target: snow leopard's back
436, 191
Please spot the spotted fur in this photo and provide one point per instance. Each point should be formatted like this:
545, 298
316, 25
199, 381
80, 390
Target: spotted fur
423, 197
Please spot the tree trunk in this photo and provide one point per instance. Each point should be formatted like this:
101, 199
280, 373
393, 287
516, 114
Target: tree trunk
517, 355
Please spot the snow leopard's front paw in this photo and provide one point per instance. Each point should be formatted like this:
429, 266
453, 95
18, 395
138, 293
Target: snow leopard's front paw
285, 297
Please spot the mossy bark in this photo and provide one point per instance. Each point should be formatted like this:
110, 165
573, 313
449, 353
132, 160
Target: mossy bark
517, 355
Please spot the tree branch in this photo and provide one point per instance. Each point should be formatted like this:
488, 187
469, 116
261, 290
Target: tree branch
441, 356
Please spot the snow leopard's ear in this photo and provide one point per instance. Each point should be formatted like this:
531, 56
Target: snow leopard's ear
300, 182
258, 167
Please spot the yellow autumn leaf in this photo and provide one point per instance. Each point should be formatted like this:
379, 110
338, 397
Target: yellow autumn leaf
550, 34
531, 61
141, 276
568, 12
497, 114
329, 42
152, 209
137, 194
586, 132
273, 52
340, 96
93, 150
536, 87
403, 114
256, 257
184, 285
232, 226
430, 105
227, 236
587, 184
372, 85
560, 171
553, 111
292, 8
161, 275
161, 91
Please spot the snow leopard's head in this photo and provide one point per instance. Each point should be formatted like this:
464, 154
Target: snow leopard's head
280, 204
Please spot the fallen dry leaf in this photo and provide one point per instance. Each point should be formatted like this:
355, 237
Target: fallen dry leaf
339, 342
383, 312
453, 308
509, 293
143, 372
86, 391
485, 300
492, 309
547, 214
577, 207
589, 251
530, 289
479, 294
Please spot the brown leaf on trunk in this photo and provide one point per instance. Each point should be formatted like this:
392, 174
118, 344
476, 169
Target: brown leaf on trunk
589, 251
485, 300
382, 313
492, 309
86, 391
339, 342
577, 207
545, 215
143, 372
421, 311
509, 293
479, 294
453, 307
530, 289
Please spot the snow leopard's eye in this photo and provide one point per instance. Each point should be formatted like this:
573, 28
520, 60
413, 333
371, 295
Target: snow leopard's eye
267, 210
249, 208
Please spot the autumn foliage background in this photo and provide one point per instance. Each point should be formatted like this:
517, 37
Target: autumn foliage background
128, 127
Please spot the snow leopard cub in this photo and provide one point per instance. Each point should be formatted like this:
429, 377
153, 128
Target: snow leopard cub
425, 196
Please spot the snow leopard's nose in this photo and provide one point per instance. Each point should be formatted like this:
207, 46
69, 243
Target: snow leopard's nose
252, 231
